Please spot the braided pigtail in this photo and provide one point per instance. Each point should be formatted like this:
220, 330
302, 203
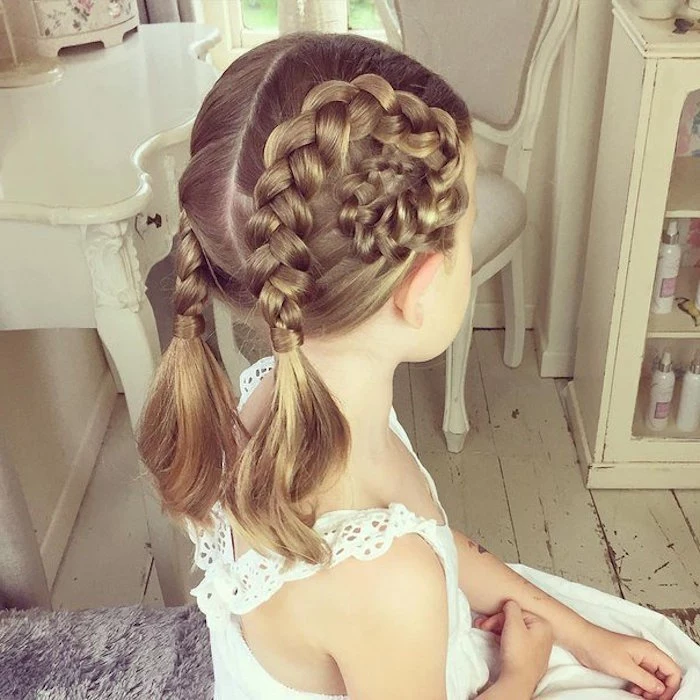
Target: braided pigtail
189, 427
304, 441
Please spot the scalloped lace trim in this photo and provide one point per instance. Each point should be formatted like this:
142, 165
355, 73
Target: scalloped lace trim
251, 377
240, 586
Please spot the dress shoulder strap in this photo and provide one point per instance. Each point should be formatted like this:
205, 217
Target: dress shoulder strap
251, 377
242, 585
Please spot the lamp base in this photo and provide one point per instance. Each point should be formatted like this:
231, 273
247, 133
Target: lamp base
34, 71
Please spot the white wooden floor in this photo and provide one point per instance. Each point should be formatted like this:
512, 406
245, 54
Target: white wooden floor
516, 488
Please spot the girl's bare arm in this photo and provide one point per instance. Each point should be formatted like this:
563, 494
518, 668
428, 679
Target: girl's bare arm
488, 583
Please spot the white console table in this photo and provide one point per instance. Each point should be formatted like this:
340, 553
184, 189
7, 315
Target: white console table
88, 204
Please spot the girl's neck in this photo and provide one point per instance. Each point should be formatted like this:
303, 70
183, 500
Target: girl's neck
362, 384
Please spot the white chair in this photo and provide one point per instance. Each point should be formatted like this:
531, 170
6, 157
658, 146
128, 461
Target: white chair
499, 57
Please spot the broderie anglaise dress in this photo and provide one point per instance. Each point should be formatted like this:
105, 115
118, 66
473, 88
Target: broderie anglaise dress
233, 587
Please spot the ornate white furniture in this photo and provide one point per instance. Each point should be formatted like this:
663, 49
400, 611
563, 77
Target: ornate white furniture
638, 185
88, 204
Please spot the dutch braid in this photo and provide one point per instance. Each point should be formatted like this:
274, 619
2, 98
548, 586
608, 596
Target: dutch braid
305, 438
301, 151
191, 287
194, 408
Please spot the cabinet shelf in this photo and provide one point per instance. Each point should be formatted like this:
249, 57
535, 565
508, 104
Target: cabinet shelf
677, 324
684, 189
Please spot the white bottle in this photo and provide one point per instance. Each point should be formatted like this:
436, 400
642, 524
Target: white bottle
667, 267
689, 406
661, 394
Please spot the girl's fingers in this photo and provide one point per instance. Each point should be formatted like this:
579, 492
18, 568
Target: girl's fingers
666, 670
648, 682
494, 623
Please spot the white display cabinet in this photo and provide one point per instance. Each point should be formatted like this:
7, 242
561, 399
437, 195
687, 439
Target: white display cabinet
640, 183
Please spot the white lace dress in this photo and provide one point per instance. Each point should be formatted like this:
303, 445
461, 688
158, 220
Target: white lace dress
233, 587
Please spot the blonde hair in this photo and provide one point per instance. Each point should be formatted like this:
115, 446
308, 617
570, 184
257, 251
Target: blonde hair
322, 167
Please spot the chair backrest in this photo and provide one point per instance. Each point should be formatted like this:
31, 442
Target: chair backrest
498, 55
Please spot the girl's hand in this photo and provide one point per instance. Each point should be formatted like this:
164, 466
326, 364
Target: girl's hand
526, 644
651, 674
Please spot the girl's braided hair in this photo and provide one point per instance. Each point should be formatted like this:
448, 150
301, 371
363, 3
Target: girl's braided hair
322, 166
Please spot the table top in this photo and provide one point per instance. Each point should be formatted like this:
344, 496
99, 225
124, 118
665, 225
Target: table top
70, 151
655, 38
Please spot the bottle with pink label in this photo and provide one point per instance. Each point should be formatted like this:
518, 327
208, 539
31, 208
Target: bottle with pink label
667, 267
663, 379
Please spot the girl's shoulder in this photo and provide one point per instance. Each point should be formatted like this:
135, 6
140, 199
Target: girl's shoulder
239, 585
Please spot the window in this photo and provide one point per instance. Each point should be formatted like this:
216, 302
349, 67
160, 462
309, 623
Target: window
247, 23
363, 15
261, 15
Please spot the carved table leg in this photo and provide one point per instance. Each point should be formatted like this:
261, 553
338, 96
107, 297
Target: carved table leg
126, 325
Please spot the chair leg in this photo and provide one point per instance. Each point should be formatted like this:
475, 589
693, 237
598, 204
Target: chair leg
514, 304
455, 422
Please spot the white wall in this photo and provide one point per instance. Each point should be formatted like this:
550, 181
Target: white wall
56, 394
578, 126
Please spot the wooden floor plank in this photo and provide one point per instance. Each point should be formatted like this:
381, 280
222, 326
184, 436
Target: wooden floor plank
152, 597
689, 503
656, 555
107, 561
470, 483
554, 518
688, 618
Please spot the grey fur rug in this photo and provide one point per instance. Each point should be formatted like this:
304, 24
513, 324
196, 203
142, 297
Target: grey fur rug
131, 652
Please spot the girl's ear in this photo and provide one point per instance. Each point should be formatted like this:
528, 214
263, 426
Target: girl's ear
409, 298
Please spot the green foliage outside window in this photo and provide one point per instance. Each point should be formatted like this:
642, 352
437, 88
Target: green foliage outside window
262, 14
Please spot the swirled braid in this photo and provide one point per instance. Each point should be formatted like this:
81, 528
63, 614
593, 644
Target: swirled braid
305, 438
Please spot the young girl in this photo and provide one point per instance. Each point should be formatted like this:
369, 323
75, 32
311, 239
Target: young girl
330, 194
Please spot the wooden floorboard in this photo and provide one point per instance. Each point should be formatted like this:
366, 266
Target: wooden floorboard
689, 502
152, 597
403, 401
470, 483
554, 519
655, 552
